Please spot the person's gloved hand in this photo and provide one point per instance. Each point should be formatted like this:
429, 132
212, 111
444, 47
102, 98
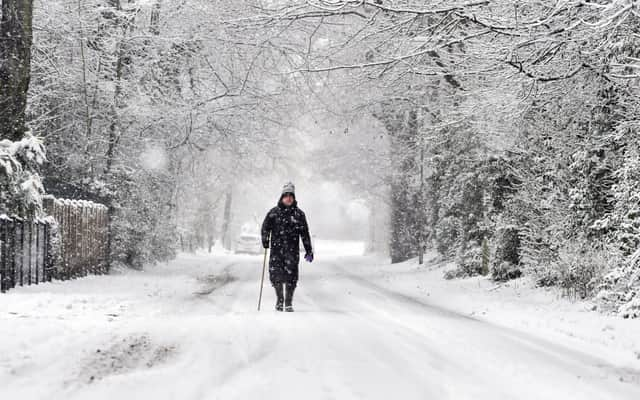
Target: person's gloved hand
308, 257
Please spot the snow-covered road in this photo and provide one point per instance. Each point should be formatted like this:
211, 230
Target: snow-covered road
190, 330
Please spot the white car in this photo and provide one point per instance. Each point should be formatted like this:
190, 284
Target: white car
249, 243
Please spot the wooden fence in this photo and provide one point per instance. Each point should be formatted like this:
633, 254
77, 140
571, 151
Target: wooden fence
71, 242
83, 237
25, 252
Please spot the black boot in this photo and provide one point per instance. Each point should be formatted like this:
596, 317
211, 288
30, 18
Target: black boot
290, 288
279, 296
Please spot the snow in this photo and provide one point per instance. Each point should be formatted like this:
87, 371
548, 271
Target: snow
154, 158
362, 329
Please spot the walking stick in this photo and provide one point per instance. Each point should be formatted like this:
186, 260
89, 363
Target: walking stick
264, 266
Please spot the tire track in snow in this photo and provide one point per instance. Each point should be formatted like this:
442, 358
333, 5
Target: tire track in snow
243, 344
426, 366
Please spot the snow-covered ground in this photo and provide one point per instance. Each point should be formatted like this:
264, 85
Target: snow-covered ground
362, 329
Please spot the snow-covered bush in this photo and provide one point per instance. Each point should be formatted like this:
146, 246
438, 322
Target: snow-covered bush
460, 201
506, 259
631, 309
503, 271
469, 263
143, 227
579, 269
21, 189
468, 215
447, 236
625, 218
619, 289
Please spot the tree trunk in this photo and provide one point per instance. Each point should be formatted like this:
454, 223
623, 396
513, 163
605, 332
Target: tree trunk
372, 239
114, 126
154, 27
226, 223
420, 205
16, 37
211, 234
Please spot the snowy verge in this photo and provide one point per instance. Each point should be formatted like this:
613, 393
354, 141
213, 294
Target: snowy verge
79, 338
516, 304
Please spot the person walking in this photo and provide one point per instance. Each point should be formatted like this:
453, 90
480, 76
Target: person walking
282, 229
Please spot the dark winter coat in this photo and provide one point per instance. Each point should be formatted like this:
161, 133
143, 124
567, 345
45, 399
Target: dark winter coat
286, 225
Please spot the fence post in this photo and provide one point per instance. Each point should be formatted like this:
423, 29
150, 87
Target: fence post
37, 264
86, 237
66, 235
30, 252
21, 256
12, 251
3, 256
45, 253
